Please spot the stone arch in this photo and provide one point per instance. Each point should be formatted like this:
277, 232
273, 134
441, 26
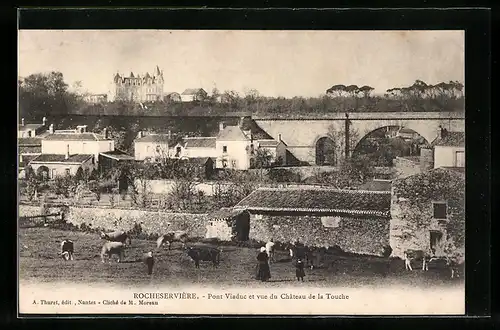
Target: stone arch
43, 172
383, 130
325, 153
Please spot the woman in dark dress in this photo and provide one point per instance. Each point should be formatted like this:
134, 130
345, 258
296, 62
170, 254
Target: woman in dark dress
263, 272
299, 270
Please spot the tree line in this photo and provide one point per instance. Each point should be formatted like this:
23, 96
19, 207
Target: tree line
46, 94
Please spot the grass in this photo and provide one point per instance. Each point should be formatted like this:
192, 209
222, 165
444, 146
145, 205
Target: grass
39, 262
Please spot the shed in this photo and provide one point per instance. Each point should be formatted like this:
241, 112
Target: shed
228, 223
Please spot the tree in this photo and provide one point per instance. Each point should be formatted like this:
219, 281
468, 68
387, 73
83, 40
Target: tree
336, 133
336, 90
366, 90
262, 160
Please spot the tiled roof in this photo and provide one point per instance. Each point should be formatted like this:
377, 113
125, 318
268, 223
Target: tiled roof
268, 143
200, 142
318, 200
452, 139
171, 93
193, 91
232, 133
157, 138
225, 213
377, 185
55, 158
75, 137
30, 149
29, 142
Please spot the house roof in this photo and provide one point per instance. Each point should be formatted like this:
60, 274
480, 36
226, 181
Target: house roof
457, 171
318, 200
193, 91
157, 138
26, 160
87, 136
200, 142
415, 159
30, 127
56, 158
198, 160
30, 149
377, 185
171, 93
232, 133
225, 213
406, 130
29, 142
117, 155
268, 143
452, 139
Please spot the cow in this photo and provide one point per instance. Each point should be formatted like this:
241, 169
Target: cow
112, 248
67, 249
172, 236
416, 255
204, 254
117, 236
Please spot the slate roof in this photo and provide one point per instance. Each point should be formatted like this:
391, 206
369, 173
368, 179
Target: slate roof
55, 158
452, 139
193, 91
200, 142
268, 143
76, 137
157, 138
318, 200
117, 155
232, 133
29, 142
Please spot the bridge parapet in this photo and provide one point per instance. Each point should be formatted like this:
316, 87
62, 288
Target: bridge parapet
364, 116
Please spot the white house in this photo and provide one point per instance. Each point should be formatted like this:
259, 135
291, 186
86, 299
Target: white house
76, 142
277, 149
233, 148
449, 149
193, 94
31, 130
52, 165
154, 145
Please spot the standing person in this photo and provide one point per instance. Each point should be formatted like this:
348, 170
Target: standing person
149, 261
263, 272
270, 250
299, 270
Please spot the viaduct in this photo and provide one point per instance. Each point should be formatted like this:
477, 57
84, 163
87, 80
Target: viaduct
303, 133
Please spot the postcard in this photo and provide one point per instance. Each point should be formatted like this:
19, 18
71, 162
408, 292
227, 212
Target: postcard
209, 172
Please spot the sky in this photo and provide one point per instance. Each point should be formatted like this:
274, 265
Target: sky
276, 63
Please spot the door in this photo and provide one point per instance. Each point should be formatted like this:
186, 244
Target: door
242, 227
435, 241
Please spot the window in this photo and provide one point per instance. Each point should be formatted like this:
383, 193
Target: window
53, 173
331, 222
233, 163
158, 149
224, 149
67, 171
147, 149
29, 133
460, 159
440, 210
177, 151
224, 163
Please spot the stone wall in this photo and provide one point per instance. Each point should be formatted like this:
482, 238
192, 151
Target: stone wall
356, 235
124, 219
412, 212
406, 167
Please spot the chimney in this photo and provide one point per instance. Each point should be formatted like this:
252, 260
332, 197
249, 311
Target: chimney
444, 133
105, 133
221, 126
44, 121
279, 137
240, 122
51, 129
169, 134
67, 152
22, 121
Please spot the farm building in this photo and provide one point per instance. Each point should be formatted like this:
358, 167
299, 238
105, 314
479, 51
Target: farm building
354, 220
172, 97
428, 212
227, 223
449, 149
193, 94
52, 165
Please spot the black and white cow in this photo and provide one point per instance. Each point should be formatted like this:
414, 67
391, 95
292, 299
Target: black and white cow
67, 249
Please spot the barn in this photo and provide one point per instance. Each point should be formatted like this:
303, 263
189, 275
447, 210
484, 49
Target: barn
357, 221
227, 224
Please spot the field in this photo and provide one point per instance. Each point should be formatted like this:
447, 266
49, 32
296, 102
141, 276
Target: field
39, 262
